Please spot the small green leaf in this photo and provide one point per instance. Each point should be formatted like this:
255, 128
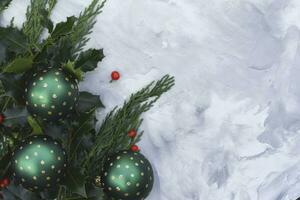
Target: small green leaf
88, 101
19, 65
88, 60
63, 28
69, 66
36, 128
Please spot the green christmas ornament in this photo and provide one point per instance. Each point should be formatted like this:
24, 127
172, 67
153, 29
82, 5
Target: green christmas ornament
39, 163
127, 175
51, 94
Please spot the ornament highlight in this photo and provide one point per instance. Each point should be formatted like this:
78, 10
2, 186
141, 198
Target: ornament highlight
127, 175
39, 162
51, 94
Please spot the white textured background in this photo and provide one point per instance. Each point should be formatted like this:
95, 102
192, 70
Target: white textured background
230, 129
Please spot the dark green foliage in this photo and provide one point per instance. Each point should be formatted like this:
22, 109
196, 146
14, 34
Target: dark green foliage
88, 102
14, 41
13, 85
19, 65
63, 28
4, 4
21, 53
88, 60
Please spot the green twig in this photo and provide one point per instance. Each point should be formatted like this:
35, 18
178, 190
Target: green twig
85, 24
112, 134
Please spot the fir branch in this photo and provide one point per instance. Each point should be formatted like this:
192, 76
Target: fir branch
112, 135
37, 15
85, 24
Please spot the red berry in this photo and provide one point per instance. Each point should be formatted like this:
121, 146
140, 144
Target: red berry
132, 133
115, 75
2, 118
134, 148
5, 182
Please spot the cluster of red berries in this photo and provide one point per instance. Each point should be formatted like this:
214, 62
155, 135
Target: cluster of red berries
132, 134
115, 75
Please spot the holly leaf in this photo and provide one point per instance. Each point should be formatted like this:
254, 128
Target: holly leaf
55, 54
88, 101
69, 66
36, 128
88, 60
15, 116
75, 181
63, 28
14, 40
19, 65
81, 131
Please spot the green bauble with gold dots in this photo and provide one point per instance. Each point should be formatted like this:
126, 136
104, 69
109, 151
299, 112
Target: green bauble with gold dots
39, 162
51, 94
127, 175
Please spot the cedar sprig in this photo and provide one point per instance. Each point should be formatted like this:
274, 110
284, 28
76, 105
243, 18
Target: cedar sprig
85, 24
112, 135
35, 18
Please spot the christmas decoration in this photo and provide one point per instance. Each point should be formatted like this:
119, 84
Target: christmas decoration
51, 94
132, 133
39, 162
115, 75
39, 84
127, 175
134, 148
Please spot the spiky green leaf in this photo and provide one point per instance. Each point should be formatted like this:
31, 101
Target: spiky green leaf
88, 60
63, 28
36, 128
88, 101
